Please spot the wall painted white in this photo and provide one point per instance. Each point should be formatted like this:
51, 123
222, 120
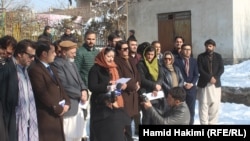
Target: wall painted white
225, 21
241, 29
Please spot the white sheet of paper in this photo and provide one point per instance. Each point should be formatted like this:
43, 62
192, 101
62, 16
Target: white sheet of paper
160, 94
122, 80
62, 102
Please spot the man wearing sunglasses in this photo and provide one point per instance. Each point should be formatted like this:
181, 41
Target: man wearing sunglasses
17, 94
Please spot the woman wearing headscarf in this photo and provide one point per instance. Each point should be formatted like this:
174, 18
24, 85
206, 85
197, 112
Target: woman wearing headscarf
172, 76
108, 118
151, 80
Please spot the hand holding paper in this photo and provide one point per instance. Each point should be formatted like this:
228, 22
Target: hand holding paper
150, 96
62, 102
122, 80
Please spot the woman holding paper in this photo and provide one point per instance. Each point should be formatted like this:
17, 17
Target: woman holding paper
108, 118
151, 81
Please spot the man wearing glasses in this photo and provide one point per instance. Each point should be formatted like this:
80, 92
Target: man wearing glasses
189, 70
17, 94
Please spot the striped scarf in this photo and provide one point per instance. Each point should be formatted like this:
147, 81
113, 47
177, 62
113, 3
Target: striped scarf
25, 106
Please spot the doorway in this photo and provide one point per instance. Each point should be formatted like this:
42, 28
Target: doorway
171, 25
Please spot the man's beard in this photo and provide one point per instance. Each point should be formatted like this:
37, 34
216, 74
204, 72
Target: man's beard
70, 59
209, 51
91, 45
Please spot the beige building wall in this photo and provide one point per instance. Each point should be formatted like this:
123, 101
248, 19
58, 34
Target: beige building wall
241, 29
225, 21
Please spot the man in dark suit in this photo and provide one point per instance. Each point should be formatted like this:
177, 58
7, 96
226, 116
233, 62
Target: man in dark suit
211, 67
3, 134
189, 70
17, 95
51, 100
131, 35
8, 87
75, 89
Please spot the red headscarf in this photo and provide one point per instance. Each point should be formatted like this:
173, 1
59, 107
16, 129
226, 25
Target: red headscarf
100, 60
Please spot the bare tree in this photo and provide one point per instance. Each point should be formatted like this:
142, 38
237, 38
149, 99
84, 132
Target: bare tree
110, 17
13, 4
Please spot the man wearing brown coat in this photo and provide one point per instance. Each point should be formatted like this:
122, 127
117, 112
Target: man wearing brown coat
51, 100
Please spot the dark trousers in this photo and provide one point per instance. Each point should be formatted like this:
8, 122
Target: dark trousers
3, 133
191, 100
128, 133
137, 122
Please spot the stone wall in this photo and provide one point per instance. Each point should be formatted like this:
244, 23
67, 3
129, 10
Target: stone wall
236, 95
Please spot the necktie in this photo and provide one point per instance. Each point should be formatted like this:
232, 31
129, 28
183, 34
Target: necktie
187, 66
51, 72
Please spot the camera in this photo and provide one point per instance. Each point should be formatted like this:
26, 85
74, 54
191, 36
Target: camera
142, 97
114, 92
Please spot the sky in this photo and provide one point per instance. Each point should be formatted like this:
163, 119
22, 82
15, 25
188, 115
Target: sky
44, 5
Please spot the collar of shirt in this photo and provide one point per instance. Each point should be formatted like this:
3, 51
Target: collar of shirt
45, 64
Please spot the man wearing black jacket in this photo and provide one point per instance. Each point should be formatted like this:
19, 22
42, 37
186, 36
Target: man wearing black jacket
211, 67
68, 36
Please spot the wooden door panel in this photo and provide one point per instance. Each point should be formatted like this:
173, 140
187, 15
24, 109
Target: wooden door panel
183, 28
165, 34
171, 25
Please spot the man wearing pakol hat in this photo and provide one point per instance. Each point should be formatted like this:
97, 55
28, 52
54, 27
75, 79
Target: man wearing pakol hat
75, 89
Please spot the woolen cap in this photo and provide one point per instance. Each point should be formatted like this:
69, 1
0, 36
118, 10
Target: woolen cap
67, 44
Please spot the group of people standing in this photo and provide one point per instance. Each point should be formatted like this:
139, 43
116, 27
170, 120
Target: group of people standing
49, 91
41, 92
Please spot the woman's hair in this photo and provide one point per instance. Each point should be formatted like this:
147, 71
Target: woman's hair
119, 46
168, 53
108, 49
149, 49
